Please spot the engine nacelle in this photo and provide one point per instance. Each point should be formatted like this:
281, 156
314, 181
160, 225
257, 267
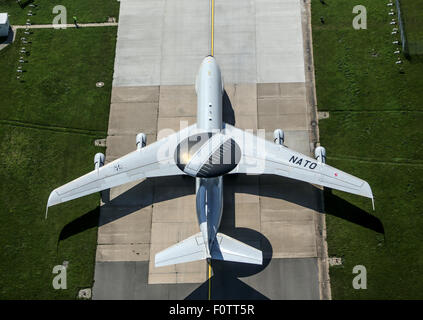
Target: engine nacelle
98, 160
141, 140
320, 154
278, 136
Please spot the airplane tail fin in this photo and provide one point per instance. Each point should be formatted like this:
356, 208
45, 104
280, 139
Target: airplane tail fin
194, 249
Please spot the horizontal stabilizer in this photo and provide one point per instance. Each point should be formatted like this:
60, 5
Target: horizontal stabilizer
190, 249
229, 249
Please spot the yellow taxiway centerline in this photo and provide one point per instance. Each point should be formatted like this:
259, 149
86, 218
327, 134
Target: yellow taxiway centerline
209, 280
212, 54
212, 28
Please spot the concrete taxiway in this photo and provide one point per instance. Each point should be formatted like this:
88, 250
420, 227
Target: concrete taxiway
268, 84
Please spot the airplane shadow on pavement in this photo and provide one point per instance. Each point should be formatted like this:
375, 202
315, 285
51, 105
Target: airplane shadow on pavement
225, 281
341, 208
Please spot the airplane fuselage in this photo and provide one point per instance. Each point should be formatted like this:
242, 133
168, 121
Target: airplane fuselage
209, 89
209, 191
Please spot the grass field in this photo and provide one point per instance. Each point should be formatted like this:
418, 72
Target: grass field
48, 125
412, 11
85, 10
374, 132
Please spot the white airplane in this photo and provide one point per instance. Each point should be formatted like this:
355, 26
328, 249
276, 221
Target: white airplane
208, 150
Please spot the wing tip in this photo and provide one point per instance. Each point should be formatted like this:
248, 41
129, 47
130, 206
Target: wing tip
53, 199
369, 194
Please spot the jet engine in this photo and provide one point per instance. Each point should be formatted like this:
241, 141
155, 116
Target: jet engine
278, 136
98, 160
141, 140
320, 154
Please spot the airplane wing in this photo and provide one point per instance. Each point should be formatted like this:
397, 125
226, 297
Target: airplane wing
155, 160
193, 249
259, 156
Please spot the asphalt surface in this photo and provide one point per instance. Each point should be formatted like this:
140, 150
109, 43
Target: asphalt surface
281, 279
259, 46
163, 42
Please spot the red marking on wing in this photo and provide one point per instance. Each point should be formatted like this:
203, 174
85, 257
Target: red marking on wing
336, 174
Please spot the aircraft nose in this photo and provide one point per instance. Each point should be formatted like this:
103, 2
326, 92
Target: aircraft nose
209, 59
